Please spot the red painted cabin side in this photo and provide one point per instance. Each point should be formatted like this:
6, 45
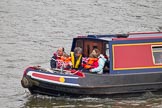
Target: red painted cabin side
129, 54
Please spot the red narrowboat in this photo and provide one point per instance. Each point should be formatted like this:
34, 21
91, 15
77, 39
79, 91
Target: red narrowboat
134, 65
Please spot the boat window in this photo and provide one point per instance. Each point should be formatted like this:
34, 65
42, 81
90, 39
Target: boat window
107, 49
79, 43
157, 54
89, 45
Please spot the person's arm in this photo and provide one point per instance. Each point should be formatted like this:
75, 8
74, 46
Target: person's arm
53, 61
100, 66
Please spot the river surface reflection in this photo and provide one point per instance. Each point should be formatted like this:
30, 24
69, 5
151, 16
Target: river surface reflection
146, 100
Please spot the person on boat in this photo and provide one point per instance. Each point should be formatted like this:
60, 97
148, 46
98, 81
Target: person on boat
91, 62
76, 58
60, 59
96, 64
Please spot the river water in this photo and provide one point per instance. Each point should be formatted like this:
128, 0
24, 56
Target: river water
31, 30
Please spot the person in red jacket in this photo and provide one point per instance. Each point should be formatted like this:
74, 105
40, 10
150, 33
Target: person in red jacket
92, 62
96, 63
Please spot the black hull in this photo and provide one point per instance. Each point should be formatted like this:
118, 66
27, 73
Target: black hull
79, 93
100, 85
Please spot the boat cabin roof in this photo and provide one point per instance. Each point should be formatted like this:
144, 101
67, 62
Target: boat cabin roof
111, 37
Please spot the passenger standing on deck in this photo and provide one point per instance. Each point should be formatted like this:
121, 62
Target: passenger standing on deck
100, 62
76, 58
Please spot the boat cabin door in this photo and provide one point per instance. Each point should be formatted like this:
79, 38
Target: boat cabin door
89, 45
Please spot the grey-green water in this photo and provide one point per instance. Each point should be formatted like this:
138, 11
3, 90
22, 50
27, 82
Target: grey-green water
31, 30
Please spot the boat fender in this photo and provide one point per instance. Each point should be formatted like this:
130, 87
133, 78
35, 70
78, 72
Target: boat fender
26, 83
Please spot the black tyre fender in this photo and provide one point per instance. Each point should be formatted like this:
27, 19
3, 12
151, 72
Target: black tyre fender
26, 83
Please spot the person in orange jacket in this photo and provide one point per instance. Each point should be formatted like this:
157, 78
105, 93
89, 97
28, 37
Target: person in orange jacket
95, 64
65, 61
92, 62
60, 58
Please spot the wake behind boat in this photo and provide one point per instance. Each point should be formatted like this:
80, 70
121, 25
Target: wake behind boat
134, 66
